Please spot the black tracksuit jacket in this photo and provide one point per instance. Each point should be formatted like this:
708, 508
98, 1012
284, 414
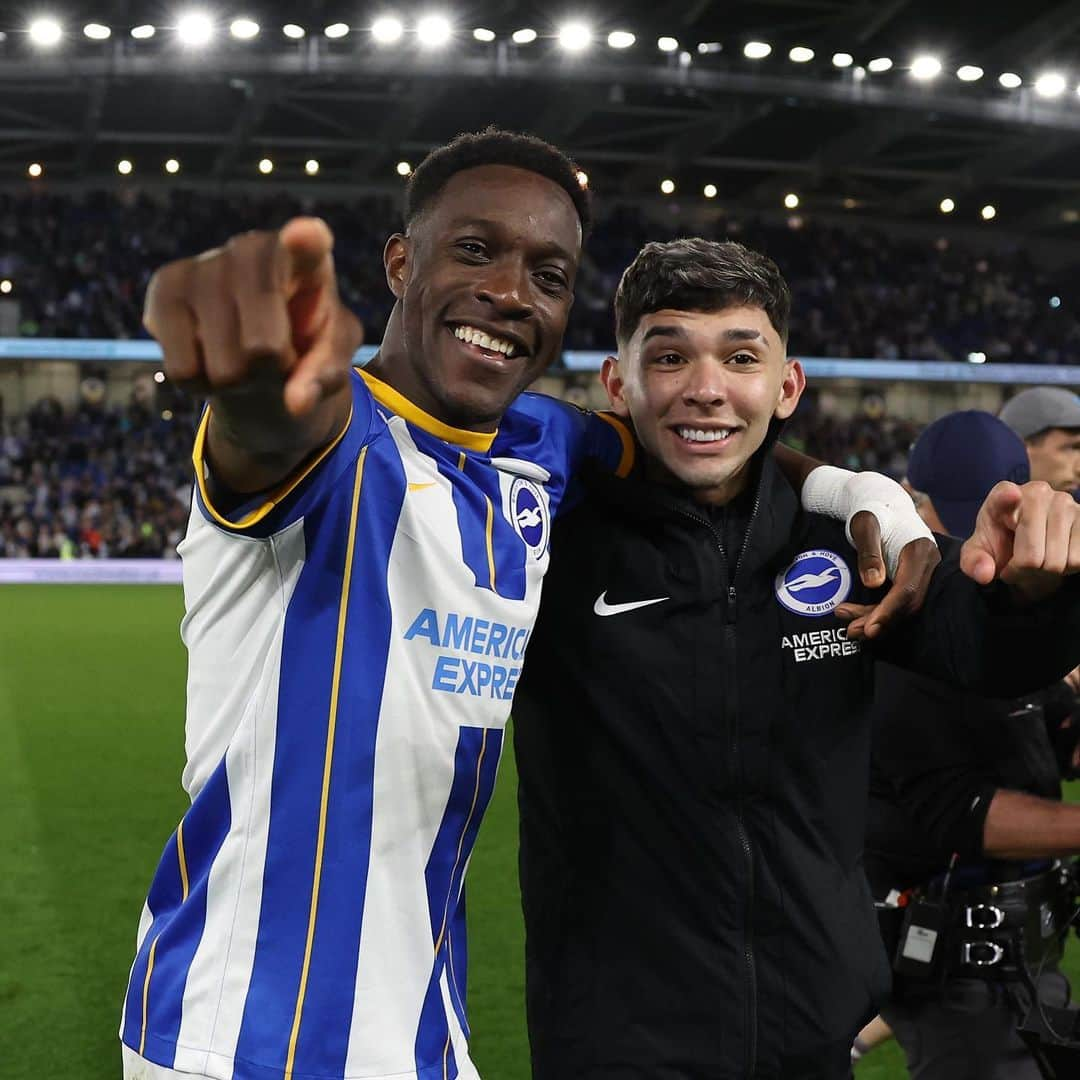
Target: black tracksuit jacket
693, 787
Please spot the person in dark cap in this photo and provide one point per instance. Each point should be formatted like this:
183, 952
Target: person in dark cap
965, 805
1047, 418
956, 462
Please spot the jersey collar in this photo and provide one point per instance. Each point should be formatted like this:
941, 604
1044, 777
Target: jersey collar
403, 407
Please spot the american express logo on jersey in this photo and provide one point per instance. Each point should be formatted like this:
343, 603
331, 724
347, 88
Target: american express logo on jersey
470, 634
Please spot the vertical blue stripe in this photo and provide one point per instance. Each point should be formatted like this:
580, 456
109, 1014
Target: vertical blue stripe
470, 793
206, 825
178, 924
470, 486
458, 954
304, 696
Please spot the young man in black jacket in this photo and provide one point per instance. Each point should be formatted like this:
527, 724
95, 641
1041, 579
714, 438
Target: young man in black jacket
692, 719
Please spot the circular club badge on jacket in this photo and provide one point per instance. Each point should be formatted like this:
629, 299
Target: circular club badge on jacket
816, 583
529, 515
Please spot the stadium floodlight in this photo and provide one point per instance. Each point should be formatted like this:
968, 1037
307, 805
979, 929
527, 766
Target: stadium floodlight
386, 30
1050, 85
791, 200
620, 39
525, 36
709, 191
1010, 80
925, 68
403, 168
482, 33
859, 73
574, 37
159, 377
172, 166
266, 166
6, 286
1055, 302
143, 32
842, 59
947, 205
46, 32
194, 28
35, 170
336, 30
879, 64
294, 31
667, 187
989, 212
756, 50
707, 48
124, 167
97, 31
311, 167
976, 358
800, 54
970, 73
685, 59
433, 31
244, 29
667, 44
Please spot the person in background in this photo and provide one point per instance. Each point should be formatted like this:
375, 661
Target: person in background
971, 783
1047, 418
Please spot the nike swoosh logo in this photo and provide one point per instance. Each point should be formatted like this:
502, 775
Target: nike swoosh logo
420, 487
602, 607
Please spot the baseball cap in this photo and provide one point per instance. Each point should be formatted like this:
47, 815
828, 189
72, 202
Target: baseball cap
959, 458
1039, 408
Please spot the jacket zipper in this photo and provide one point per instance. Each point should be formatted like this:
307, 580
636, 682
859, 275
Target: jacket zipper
731, 696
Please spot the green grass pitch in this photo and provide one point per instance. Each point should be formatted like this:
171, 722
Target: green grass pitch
91, 748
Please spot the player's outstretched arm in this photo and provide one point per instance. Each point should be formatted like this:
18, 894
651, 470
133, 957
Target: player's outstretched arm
257, 327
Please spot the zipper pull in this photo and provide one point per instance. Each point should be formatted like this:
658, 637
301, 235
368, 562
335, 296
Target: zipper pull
731, 603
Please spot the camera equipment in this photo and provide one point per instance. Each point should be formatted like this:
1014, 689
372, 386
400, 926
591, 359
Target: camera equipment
1008, 932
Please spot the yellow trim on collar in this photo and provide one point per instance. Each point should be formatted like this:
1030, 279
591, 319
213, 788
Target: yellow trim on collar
270, 498
403, 407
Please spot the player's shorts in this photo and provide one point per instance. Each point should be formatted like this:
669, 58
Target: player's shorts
137, 1068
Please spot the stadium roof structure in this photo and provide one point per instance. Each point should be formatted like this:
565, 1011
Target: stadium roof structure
704, 108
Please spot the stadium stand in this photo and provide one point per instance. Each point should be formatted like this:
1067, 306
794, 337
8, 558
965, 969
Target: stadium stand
80, 265
94, 483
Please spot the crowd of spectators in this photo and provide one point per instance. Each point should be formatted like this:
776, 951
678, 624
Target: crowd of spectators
80, 266
98, 482
115, 482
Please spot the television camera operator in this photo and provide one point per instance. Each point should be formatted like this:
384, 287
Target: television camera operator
968, 839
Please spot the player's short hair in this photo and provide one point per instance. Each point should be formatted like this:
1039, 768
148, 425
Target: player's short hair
493, 146
692, 274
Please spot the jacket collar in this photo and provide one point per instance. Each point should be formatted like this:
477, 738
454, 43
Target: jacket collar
772, 524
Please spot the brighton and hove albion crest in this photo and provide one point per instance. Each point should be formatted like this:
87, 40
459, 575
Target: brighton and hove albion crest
816, 583
529, 515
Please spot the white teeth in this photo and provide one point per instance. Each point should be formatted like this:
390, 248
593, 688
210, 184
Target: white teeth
477, 337
700, 435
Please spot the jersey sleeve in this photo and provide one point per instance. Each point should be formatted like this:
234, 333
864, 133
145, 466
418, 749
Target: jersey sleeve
606, 443
269, 512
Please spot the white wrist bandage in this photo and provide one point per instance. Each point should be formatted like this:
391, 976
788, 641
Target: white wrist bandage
841, 494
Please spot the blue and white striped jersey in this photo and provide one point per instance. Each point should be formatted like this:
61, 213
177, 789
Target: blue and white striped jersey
354, 640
